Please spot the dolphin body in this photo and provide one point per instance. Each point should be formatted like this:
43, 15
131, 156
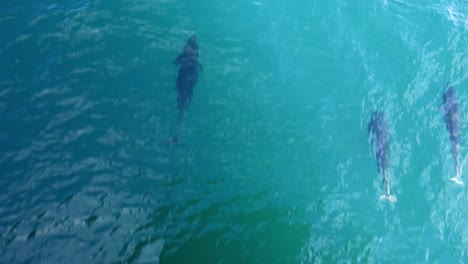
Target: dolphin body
380, 137
186, 79
453, 123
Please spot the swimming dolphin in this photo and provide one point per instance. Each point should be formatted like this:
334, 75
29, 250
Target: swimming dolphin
186, 79
378, 131
453, 124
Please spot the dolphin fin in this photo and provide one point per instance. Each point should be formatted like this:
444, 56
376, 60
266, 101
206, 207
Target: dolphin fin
448, 85
441, 107
179, 58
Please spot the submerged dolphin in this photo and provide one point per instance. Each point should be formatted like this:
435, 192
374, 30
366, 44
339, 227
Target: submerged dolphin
453, 124
186, 79
378, 131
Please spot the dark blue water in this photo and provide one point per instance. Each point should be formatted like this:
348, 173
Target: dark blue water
275, 164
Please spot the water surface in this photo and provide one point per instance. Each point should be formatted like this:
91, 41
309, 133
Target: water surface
275, 165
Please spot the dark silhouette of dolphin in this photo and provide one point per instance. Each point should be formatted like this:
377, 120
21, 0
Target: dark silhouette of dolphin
380, 138
453, 123
186, 79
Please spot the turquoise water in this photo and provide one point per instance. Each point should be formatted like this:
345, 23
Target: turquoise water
275, 165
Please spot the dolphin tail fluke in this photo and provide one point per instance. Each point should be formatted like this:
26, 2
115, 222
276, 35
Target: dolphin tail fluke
457, 179
175, 138
387, 196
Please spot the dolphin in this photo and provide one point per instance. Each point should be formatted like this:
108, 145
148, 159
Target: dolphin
380, 138
187, 78
453, 123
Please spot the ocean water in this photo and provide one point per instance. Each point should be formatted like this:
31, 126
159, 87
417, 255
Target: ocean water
275, 164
